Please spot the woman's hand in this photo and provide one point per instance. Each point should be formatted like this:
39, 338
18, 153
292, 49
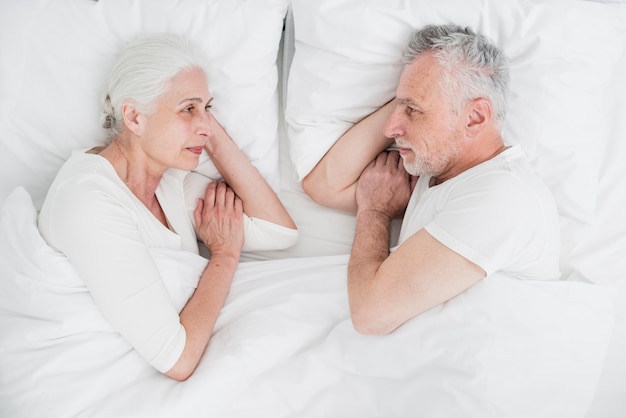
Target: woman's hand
219, 220
219, 223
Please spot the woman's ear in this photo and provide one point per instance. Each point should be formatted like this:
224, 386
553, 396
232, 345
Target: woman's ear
131, 116
479, 115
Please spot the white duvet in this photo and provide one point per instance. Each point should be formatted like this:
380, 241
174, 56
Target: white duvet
284, 345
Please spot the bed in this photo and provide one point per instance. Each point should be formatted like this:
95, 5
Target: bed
288, 78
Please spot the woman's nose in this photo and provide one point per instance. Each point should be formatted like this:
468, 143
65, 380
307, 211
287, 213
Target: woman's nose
205, 124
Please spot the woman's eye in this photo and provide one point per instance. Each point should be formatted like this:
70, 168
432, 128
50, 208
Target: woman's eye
189, 109
207, 108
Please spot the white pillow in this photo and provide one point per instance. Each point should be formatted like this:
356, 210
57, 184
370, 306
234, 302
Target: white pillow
563, 55
56, 55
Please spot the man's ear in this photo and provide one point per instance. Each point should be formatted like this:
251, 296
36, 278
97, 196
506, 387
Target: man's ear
479, 113
131, 116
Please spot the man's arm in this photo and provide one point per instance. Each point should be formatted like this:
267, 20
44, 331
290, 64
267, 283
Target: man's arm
385, 290
332, 182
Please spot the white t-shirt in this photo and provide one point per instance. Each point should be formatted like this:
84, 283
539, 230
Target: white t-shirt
498, 214
97, 222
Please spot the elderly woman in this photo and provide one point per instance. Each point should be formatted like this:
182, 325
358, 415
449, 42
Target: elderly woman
108, 206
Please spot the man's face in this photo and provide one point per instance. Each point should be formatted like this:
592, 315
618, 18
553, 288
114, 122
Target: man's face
424, 122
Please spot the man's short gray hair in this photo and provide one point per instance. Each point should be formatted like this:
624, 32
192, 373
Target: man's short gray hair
473, 66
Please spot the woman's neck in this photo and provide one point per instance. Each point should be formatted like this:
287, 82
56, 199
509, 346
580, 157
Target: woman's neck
133, 169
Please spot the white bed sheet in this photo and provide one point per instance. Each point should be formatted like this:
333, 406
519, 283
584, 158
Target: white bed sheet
284, 346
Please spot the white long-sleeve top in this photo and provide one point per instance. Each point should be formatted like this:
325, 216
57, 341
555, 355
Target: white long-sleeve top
92, 217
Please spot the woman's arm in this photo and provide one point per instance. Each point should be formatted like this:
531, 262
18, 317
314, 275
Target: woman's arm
259, 199
332, 182
220, 226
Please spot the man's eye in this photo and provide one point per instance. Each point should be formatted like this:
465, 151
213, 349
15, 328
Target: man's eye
410, 110
189, 109
207, 108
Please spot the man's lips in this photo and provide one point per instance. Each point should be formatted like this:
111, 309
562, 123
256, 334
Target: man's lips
402, 149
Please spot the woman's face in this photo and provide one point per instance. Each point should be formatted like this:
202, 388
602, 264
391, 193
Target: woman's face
174, 135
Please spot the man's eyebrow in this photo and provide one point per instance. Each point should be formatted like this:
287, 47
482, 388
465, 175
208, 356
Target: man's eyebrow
406, 101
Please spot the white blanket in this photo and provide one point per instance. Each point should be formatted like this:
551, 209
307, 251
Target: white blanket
284, 346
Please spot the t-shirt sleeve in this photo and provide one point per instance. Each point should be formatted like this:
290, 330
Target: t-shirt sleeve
494, 221
101, 238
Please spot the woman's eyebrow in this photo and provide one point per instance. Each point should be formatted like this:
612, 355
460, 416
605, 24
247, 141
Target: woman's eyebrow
192, 99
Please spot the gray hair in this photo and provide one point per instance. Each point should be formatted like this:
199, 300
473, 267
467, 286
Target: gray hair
142, 72
473, 67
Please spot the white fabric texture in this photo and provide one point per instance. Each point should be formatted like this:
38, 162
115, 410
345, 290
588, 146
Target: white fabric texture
283, 345
61, 51
264, 359
567, 106
259, 234
498, 214
90, 216
347, 63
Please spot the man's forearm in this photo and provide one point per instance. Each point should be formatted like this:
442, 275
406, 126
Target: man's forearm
371, 240
369, 250
333, 180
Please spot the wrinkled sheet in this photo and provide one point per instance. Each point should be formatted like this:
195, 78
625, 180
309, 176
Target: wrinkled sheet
284, 345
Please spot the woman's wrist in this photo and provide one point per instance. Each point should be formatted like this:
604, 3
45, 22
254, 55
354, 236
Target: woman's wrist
226, 258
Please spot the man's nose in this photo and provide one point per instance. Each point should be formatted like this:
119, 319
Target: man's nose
393, 127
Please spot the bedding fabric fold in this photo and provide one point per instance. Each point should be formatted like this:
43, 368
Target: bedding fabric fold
284, 345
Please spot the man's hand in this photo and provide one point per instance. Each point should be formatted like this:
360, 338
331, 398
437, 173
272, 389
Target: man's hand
385, 186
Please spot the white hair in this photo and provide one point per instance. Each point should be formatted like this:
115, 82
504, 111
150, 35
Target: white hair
142, 72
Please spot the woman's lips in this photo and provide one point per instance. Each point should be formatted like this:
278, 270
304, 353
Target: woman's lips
195, 150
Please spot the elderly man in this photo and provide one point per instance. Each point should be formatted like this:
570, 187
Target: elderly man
472, 205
